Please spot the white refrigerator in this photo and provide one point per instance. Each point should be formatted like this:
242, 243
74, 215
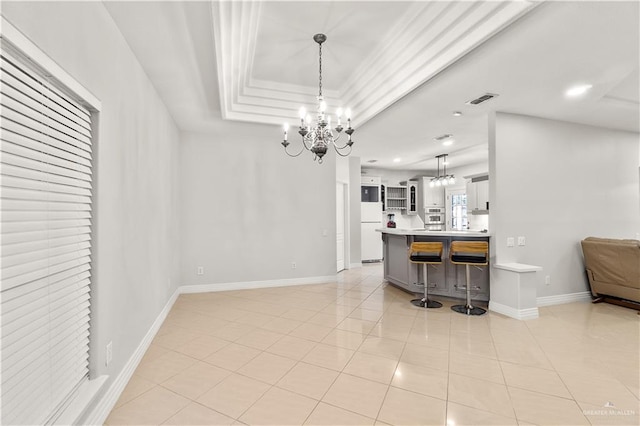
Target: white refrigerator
371, 241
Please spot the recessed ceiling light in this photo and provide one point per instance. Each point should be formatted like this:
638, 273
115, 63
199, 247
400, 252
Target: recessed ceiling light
578, 90
447, 142
442, 137
457, 113
372, 161
397, 160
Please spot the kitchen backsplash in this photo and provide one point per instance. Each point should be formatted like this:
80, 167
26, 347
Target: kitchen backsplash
478, 222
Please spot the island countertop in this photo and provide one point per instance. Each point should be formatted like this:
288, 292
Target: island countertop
445, 279
420, 231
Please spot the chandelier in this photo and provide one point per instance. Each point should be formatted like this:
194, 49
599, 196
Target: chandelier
444, 179
319, 136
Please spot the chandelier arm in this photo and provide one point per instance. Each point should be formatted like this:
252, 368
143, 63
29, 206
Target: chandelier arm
295, 155
341, 147
341, 154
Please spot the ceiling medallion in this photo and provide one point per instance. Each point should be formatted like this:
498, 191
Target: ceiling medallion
317, 137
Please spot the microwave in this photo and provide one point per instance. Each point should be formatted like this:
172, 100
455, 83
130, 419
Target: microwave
370, 191
434, 219
431, 210
434, 216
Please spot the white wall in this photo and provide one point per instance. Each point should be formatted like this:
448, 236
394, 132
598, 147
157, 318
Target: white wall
249, 210
348, 171
136, 170
556, 183
355, 215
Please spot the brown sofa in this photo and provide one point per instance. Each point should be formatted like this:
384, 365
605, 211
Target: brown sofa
613, 268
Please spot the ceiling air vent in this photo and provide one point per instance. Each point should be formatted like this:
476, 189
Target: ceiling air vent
442, 137
481, 99
372, 161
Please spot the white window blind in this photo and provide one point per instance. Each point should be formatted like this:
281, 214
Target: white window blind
45, 215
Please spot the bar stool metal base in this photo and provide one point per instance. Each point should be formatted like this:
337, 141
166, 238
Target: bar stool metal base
422, 303
425, 302
468, 309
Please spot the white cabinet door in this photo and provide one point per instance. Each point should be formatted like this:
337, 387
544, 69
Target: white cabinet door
434, 196
371, 242
412, 197
478, 195
472, 197
482, 194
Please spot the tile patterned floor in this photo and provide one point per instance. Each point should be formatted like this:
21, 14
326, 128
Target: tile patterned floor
356, 352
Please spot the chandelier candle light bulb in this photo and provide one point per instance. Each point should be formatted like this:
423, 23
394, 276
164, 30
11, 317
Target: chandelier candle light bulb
317, 138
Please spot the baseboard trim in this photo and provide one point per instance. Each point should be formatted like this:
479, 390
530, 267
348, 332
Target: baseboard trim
246, 285
520, 314
583, 296
99, 414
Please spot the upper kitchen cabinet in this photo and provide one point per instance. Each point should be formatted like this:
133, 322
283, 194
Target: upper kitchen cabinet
478, 195
429, 196
395, 198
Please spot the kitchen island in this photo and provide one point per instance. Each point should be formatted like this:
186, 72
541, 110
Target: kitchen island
446, 279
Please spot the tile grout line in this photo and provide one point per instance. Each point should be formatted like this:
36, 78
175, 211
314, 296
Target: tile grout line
332, 383
377, 418
275, 385
573, 398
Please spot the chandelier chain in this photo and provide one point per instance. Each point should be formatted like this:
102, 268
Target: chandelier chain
320, 69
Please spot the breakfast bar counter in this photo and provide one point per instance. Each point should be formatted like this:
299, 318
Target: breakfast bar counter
446, 279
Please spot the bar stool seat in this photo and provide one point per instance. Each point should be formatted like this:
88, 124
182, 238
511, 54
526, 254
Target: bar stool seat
426, 253
469, 253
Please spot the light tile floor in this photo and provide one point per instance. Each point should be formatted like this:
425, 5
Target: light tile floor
356, 352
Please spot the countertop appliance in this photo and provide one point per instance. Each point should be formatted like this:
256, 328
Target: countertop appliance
371, 241
391, 223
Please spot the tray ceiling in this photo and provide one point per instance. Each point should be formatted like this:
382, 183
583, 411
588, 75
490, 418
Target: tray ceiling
375, 53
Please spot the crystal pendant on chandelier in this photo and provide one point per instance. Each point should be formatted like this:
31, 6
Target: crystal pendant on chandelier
319, 136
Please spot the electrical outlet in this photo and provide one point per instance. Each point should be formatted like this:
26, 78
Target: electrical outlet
510, 242
200, 270
293, 265
325, 232
547, 280
521, 241
109, 353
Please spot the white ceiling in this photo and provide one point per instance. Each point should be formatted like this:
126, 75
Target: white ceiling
403, 67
